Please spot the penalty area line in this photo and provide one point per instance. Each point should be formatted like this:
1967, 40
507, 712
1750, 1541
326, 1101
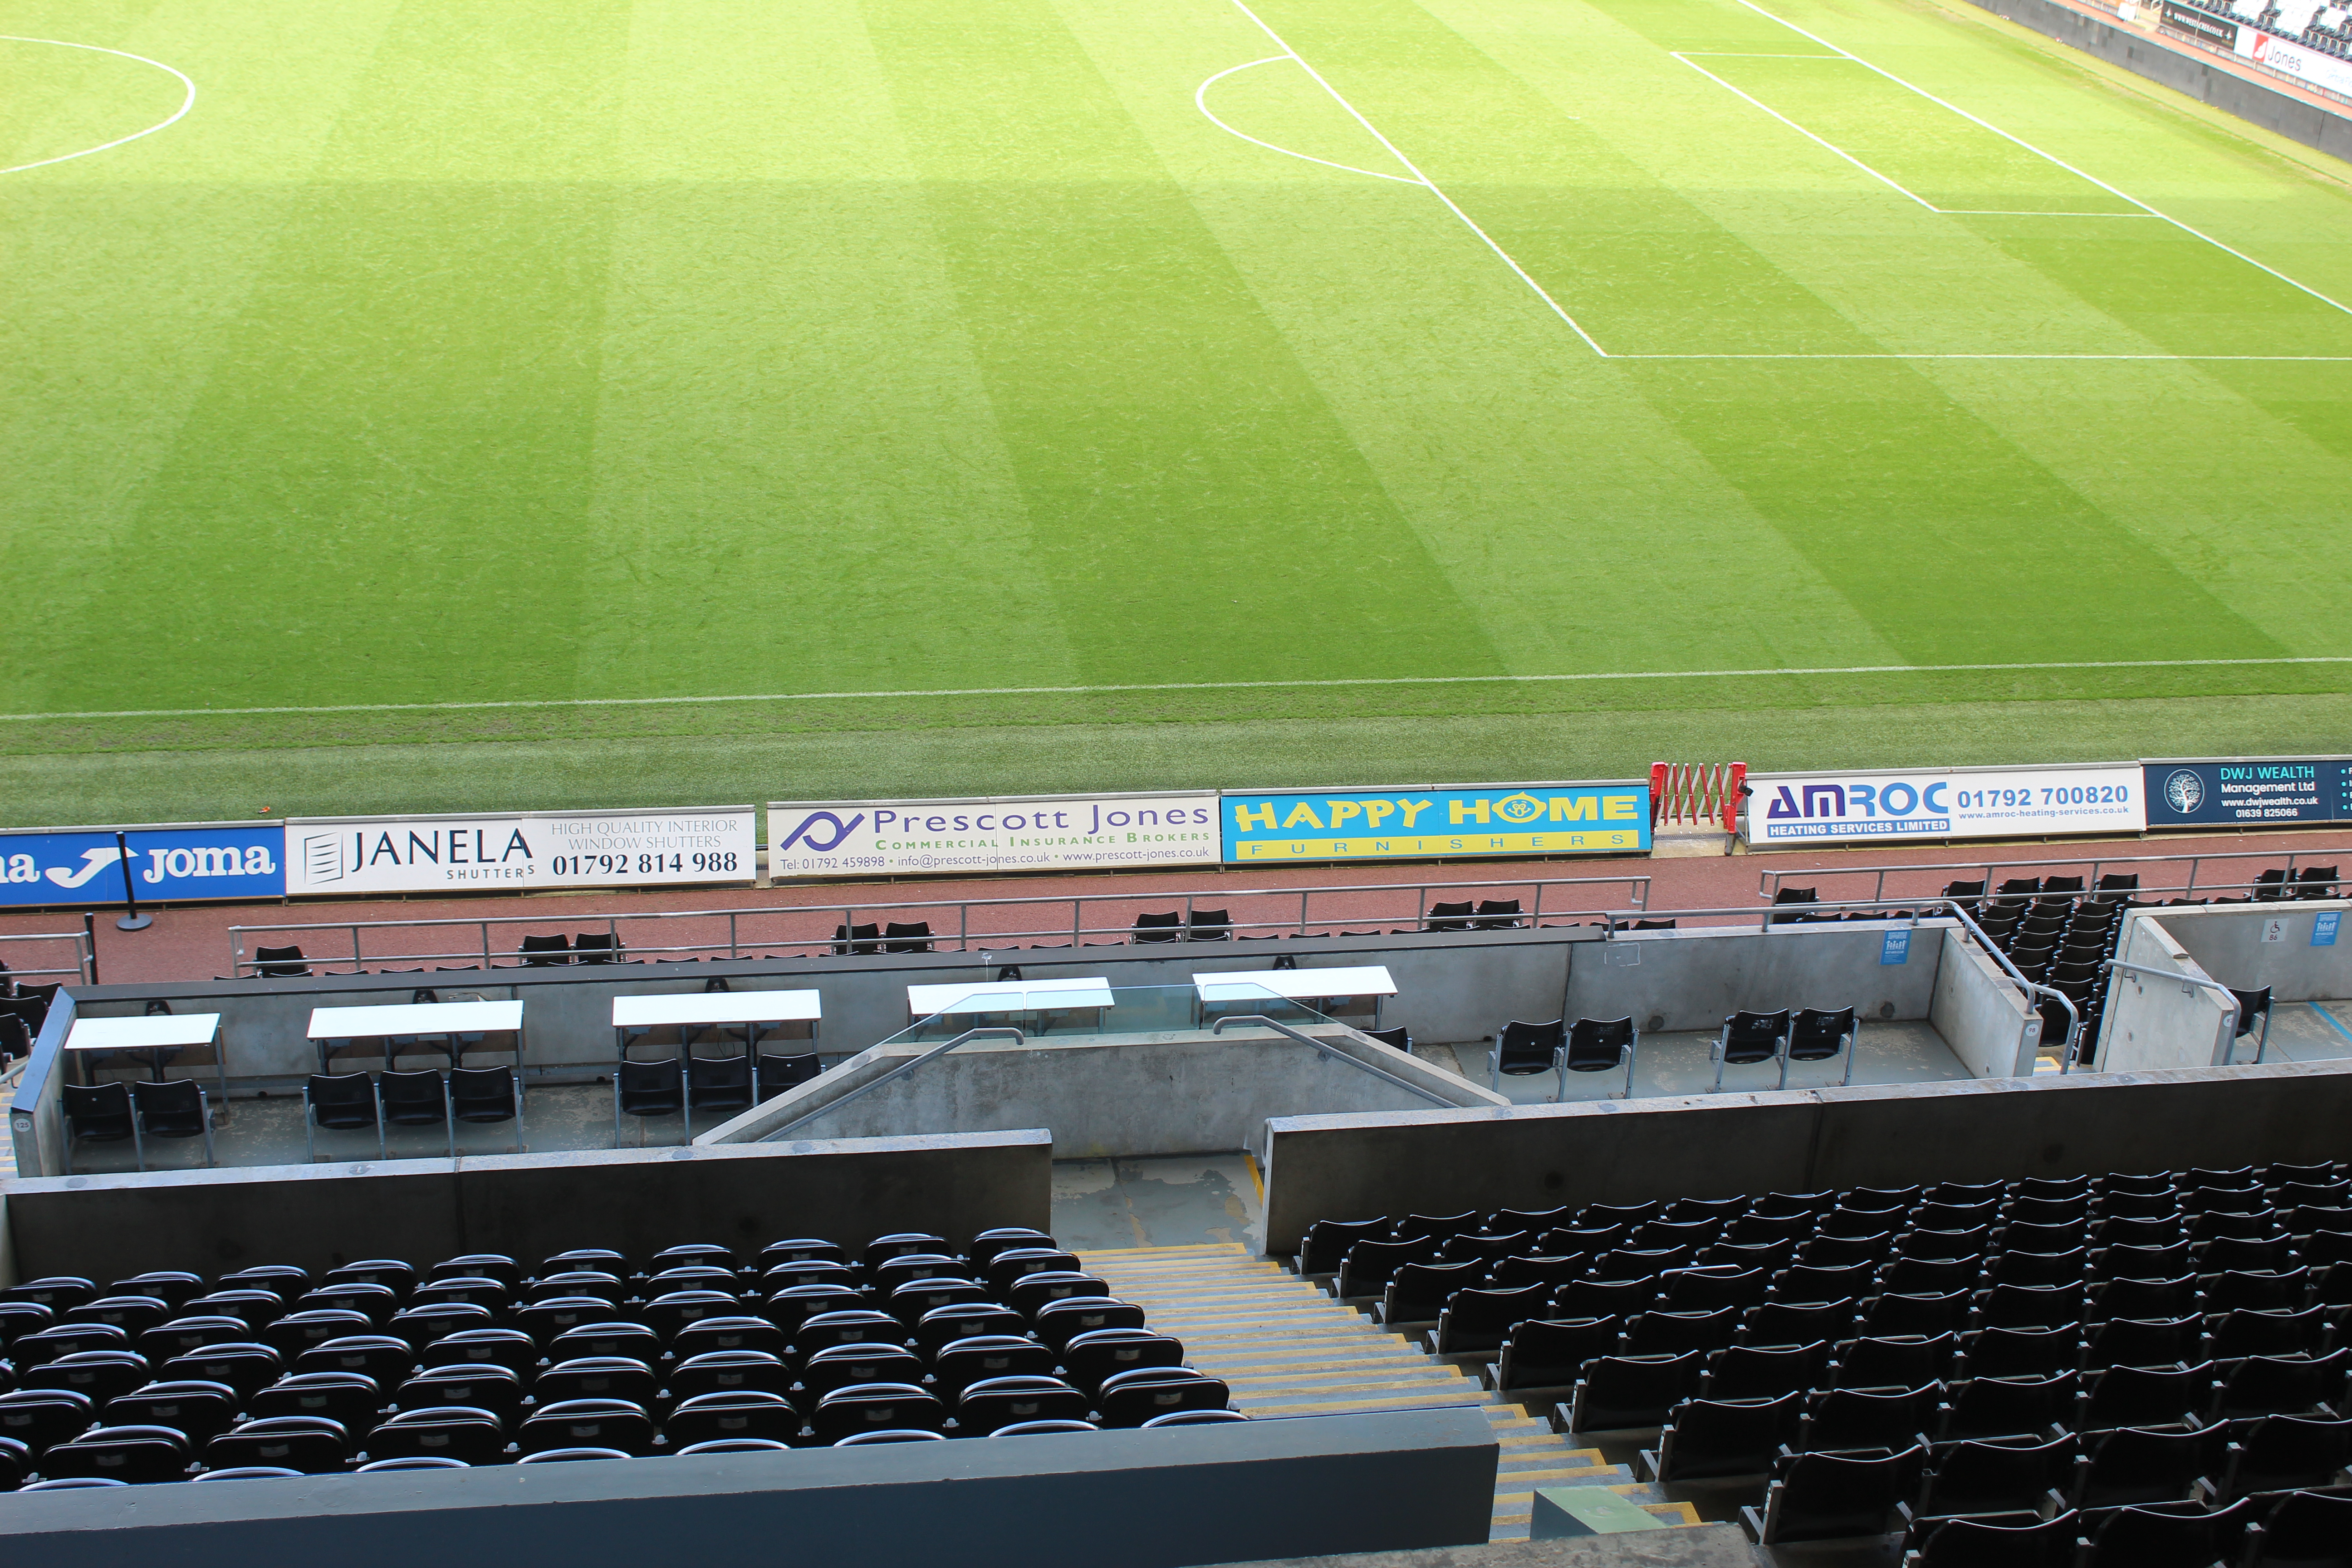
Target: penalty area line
1178, 685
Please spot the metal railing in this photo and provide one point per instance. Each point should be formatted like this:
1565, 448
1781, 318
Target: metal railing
2226, 1044
813, 929
1323, 1047
992, 1032
83, 969
1994, 871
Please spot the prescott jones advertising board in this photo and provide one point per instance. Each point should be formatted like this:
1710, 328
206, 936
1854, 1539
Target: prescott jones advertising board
520, 850
1031, 833
1959, 803
2249, 791
178, 864
1499, 819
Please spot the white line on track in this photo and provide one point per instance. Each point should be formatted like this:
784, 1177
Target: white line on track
186, 104
1190, 686
1200, 103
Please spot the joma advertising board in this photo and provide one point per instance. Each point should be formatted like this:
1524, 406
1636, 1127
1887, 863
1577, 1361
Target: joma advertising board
521, 851
1962, 803
1409, 823
1034, 833
169, 864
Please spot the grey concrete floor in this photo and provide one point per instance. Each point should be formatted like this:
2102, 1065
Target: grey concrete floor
1677, 1064
1177, 1201
2305, 1031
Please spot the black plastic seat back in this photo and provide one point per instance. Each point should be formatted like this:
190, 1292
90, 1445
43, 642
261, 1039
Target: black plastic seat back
1163, 926
651, 1088
720, 1083
483, 1094
1449, 917
1596, 1044
343, 1100
907, 936
1987, 1543
1749, 1038
1835, 1497
539, 952
1816, 1036
99, 1113
1208, 925
418, 1098
1523, 1047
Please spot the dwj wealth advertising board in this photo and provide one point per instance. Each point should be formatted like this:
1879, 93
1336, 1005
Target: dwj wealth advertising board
1027, 833
2248, 792
1425, 822
521, 851
83, 866
1791, 809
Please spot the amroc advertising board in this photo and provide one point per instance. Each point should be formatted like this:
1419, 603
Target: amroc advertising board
521, 851
1030, 833
1962, 803
169, 864
1408, 823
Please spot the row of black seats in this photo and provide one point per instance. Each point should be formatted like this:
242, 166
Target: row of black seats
478, 1360
23, 1010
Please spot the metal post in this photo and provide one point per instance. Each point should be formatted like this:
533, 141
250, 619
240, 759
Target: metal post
132, 919
89, 946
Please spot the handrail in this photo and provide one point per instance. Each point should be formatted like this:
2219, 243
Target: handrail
2188, 982
1768, 883
963, 939
83, 954
993, 1032
1325, 1047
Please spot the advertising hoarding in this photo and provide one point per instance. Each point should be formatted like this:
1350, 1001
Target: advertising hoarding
2293, 59
2248, 792
1019, 833
521, 851
2219, 31
170, 865
1791, 809
1430, 823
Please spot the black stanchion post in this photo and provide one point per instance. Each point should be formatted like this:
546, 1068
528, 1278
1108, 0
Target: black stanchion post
90, 942
132, 919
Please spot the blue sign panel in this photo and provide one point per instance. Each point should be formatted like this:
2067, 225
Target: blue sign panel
1897, 947
1396, 825
2249, 793
168, 865
2323, 928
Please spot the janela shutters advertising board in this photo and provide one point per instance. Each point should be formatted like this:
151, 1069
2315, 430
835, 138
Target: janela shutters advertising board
1027, 833
1958, 803
521, 851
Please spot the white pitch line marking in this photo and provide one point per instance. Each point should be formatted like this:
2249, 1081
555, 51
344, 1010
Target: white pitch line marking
1200, 103
1200, 685
186, 104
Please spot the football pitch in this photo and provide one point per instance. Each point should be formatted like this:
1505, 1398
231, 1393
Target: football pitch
432, 404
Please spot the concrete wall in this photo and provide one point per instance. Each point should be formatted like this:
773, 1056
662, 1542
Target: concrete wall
37, 1116
1979, 1011
2181, 68
529, 1205
2152, 1024
1108, 1096
1111, 1500
2231, 944
1538, 1156
1693, 979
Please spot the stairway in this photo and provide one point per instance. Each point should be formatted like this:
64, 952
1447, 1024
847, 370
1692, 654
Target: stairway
1286, 1348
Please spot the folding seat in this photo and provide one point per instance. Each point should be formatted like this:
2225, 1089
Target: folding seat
1747, 1038
2135, 1465
1753, 1226
1988, 1408
199, 1410
618, 1424
387, 1360
1009, 1264
1483, 1248
481, 1386
66, 1338
2284, 1386
783, 1275
394, 1274
1416, 1293
838, 1367
314, 1445
1816, 1036
1658, 1331
1326, 1242
254, 1307
1980, 1479
1522, 1050
1058, 1321
2242, 1333
352, 1399
1923, 1276
1772, 1256
99, 1373
1822, 1497
724, 1372
1704, 1287
1711, 1439
2305, 1529
2146, 1341
421, 1325
243, 1366
1087, 1359
597, 1377
468, 1433
2167, 1299
1934, 1212
2308, 1219
1620, 1392
1996, 1544
1546, 1355
131, 1454
1845, 1419
2132, 1262
295, 1332
2057, 1189
1803, 1283
990, 1404
1627, 1215
509, 1348
1537, 1220
1797, 1323
2147, 1396
2125, 1230
1132, 1398
807, 1248
41, 1416
1639, 1263
2018, 1353
892, 1272
173, 1287
1449, 917
132, 1314
1549, 1270
1692, 1235
2207, 1229
970, 1359
944, 1325
1827, 1251
1904, 1363
791, 1307
742, 1413
2265, 1290
672, 1311
2030, 1306
1763, 1372
2059, 1236
2284, 1454
1897, 1313
2178, 1537
1474, 1322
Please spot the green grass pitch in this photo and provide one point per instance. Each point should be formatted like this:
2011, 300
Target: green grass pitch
1017, 395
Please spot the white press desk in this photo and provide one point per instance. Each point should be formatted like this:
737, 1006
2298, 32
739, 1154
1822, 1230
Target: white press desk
409, 1018
1008, 997
716, 1009
159, 1033
1370, 980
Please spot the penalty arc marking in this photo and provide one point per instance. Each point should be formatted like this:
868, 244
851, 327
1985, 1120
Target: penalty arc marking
177, 115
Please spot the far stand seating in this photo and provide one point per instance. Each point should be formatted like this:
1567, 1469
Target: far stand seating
907, 936
1208, 925
595, 947
1449, 917
1167, 926
278, 962
539, 952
